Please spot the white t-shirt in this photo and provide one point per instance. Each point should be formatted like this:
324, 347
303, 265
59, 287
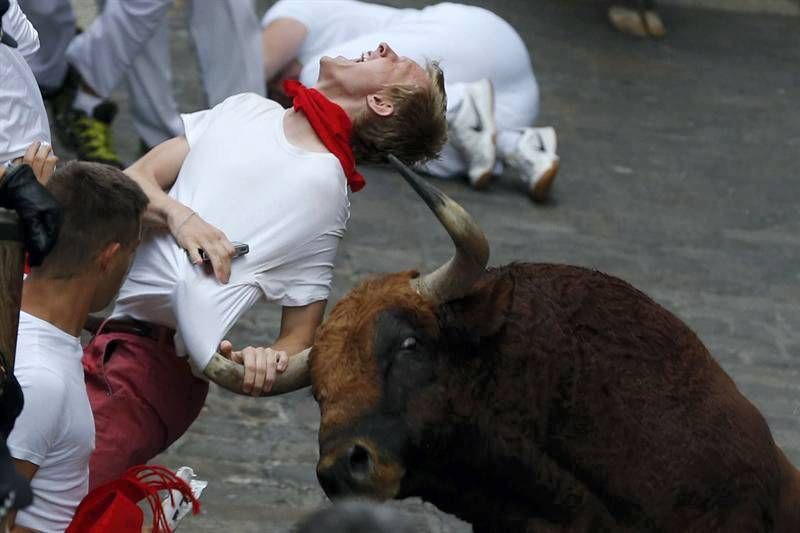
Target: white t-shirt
56, 428
244, 177
23, 118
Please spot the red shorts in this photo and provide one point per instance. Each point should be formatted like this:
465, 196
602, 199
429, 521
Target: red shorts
143, 398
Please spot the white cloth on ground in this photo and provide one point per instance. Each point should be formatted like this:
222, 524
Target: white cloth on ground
56, 428
244, 177
23, 118
470, 43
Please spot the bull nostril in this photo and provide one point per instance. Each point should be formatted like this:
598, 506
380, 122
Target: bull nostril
360, 461
327, 480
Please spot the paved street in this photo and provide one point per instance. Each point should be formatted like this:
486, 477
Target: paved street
679, 174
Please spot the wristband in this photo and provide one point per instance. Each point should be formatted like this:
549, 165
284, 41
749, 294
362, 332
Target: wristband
185, 220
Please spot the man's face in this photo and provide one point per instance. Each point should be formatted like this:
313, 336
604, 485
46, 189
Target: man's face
370, 73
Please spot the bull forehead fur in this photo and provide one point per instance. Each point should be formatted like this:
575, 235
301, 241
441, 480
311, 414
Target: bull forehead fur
342, 365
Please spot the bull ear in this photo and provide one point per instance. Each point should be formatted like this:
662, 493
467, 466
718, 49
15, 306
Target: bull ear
482, 312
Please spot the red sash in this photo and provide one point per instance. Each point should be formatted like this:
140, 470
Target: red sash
331, 124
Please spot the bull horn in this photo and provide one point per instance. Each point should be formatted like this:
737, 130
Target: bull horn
455, 278
230, 375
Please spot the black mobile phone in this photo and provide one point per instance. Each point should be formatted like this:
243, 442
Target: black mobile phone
240, 247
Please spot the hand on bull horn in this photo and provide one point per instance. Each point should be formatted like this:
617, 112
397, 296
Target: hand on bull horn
261, 366
228, 372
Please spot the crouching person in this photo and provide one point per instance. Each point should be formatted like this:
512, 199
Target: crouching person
54, 436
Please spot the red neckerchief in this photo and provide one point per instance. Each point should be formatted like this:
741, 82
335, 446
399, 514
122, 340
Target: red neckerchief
331, 124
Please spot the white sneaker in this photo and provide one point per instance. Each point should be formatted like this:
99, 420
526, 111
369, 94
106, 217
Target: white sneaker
473, 132
175, 506
535, 160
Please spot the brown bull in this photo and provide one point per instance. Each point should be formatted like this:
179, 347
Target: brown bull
537, 397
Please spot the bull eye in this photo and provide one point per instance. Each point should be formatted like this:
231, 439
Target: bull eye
409, 344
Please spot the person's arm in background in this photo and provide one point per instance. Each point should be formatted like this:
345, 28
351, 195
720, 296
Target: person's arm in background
42, 160
26, 470
281, 39
298, 326
21, 190
155, 173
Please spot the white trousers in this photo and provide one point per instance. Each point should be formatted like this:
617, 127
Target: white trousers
130, 40
470, 43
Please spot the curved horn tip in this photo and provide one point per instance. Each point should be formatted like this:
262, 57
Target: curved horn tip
457, 276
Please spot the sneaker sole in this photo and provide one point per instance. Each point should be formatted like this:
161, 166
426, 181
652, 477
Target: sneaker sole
541, 190
627, 21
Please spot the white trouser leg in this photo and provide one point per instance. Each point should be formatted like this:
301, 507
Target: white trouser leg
450, 162
507, 141
55, 22
104, 53
149, 83
227, 36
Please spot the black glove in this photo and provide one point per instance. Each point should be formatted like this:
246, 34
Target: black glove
11, 403
38, 211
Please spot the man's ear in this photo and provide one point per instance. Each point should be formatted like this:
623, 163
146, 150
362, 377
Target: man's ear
380, 105
106, 257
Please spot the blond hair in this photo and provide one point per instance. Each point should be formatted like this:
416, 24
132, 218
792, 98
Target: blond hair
414, 133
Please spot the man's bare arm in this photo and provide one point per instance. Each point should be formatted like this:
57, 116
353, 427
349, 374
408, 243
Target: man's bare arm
298, 326
281, 40
155, 173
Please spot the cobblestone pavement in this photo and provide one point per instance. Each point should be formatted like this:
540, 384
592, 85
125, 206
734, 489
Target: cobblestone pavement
679, 174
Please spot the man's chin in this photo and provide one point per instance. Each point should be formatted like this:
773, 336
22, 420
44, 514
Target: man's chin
338, 60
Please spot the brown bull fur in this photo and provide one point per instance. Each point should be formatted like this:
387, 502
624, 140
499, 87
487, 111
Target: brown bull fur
552, 398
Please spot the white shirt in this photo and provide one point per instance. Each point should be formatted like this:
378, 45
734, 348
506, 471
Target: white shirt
23, 118
244, 177
56, 428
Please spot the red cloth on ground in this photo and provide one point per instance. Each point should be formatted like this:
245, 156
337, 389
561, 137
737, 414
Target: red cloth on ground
113, 506
331, 124
143, 398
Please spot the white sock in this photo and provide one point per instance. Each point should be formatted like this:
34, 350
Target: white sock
507, 141
86, 102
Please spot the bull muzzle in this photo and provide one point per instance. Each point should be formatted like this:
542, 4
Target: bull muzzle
358, 469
